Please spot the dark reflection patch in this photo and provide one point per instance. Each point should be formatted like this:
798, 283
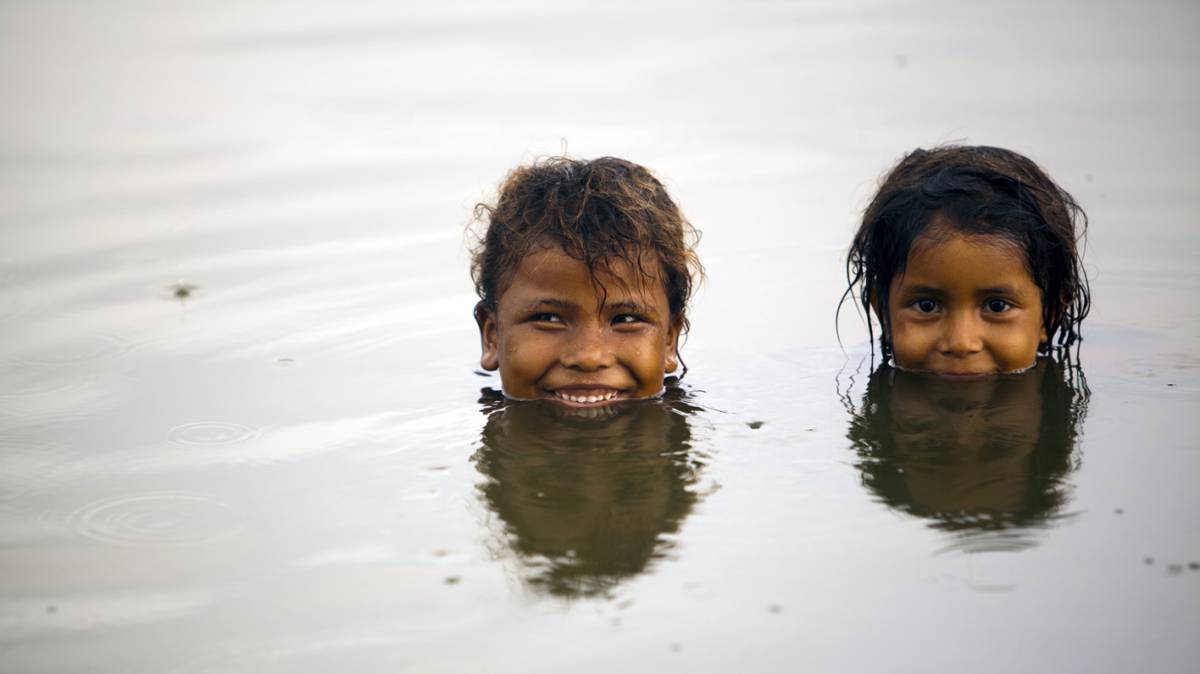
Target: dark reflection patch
586, 500
986, 460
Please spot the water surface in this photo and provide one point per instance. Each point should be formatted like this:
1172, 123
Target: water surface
241, 428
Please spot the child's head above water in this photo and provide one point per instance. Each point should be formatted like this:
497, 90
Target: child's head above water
969, 257
584, 271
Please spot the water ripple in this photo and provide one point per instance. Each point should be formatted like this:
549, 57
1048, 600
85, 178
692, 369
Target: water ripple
33, 397
40, 616
211, 433
26, 465
15, 296
77, 349
166, 519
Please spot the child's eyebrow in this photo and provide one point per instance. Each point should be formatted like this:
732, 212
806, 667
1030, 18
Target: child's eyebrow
630, 305
550, 302
997, 290
923, 290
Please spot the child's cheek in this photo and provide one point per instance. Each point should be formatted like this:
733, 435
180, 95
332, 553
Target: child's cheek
1019, 352
911, 345
523, 359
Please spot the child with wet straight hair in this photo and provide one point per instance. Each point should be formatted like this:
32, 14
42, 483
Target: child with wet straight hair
969, 256
584, 270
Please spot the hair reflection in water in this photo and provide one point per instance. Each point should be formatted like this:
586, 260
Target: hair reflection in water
586, 496
985, 460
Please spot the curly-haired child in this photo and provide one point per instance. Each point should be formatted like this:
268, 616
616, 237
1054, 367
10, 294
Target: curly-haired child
584, 270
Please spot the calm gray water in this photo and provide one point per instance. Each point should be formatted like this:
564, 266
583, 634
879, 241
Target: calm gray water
241, 429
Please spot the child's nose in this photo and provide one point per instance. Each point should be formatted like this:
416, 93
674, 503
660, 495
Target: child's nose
588, 351
963, 335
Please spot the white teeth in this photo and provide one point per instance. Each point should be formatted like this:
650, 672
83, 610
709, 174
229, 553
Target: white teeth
587, 399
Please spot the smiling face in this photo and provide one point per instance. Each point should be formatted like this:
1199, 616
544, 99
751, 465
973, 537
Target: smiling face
555, 335
966, 306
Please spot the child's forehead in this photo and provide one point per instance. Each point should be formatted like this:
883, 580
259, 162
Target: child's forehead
942, 233
552, 262
967, 264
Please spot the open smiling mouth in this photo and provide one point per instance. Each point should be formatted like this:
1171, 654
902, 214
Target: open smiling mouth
590, 397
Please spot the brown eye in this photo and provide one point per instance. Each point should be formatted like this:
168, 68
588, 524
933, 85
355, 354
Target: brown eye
997, 306
925, 305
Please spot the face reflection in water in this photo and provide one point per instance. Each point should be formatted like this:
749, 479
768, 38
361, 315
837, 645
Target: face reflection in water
986, 459
585, 496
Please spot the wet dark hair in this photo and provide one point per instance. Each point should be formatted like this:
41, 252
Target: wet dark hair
977, 191
600, 211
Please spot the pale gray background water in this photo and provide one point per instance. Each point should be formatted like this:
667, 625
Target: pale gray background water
277, 473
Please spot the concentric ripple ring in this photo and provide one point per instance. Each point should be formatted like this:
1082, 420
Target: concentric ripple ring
211, 433
156, 519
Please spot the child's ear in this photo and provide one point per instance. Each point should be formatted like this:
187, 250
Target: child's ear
671, 356
488, 341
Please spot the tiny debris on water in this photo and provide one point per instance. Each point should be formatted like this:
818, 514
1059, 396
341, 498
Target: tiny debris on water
774, 608
1194, 566
1174, 569
1149, 561
453, 580
1119, 511
183, 290
51, 609
755, 425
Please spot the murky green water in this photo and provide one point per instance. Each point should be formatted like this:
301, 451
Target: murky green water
240, 427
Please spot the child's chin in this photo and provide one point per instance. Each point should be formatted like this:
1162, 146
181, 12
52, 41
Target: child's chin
967, 376
951, 375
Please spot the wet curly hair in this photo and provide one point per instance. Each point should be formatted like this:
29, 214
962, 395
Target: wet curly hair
599, 211
977, 191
